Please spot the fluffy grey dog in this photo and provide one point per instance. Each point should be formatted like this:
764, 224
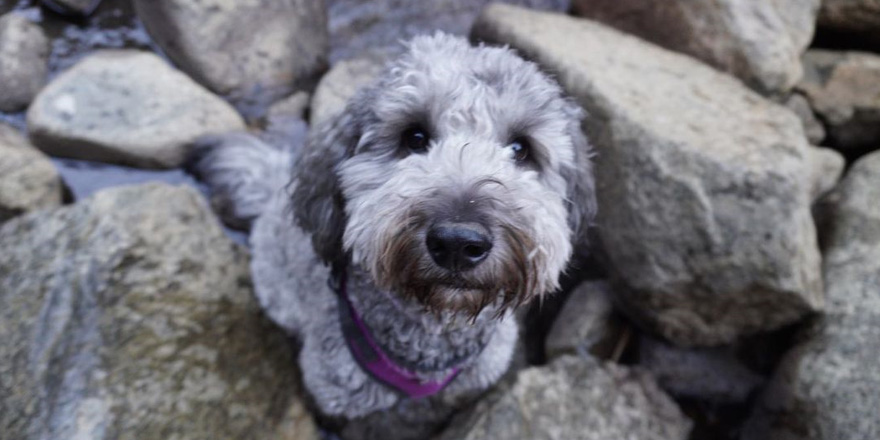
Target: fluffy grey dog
446, 194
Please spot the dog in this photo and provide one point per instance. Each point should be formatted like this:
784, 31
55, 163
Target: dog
448, 193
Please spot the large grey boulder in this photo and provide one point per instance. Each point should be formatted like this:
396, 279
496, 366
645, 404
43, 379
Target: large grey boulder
813, 128
24, 54
844, 90
127, 107
703, 186
28, 180
573, 399
250, 50
340, 84
758, 41
852, 18
828, 386
131, 316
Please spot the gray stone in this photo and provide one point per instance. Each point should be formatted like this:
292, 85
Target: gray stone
706, 374
24, 54
340, 84
587, 324
703, 186
844, 90
73, 7
250, 50
758, 41
813, 127
28, 180
131, 316
127, 107
827, 168
361, 28
853, 18
294, 106
573, 399
828, 386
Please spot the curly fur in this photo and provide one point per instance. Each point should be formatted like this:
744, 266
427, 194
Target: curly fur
362, 201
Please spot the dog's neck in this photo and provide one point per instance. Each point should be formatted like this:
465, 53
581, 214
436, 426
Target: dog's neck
425, 343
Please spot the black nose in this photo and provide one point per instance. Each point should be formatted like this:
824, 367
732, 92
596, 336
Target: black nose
458, 246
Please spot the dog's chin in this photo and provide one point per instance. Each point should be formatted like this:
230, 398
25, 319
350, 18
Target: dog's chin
452, 296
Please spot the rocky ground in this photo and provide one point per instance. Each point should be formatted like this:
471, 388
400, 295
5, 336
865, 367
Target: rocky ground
732, 290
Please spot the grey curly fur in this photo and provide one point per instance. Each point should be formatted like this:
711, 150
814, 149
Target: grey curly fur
360, 200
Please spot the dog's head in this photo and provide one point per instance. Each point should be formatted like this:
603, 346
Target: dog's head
460, 178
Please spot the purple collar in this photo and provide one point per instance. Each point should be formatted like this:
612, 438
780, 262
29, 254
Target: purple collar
370, 356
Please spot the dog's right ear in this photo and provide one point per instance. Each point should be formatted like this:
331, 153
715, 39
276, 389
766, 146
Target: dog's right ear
318, 205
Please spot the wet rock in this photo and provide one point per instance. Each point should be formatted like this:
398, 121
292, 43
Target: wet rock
573, 399
126, 107
73, 7
813, 127
828, 387
827, 168
24, 53
28, 181
130, 315
704, 186
340, 84
250, 50
376, 28
706, 374
758, 41
852, 18
844, 90
587, 323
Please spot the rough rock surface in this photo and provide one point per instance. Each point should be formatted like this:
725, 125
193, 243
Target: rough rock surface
127, 107
361, 28
813, 127
340, 84
28, 180
246, 49
130, 315
844, 90
758, 41
852, 18
24, 53
73, 7
573, 399
706, 374
828, 386
827, 168
703, 186
587, 323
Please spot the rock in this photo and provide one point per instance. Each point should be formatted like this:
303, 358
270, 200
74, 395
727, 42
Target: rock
28, 180
80, 8
828, 387
827, 168
813, 127
130, 315
127, 107
24, 54
852, 19
713, 375
340, 84
250, 50
587, 324
573, 399
294, 106
758, 41
376, 28
844, 90
703, 186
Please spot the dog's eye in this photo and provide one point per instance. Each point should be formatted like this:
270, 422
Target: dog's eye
522, 149
415, 139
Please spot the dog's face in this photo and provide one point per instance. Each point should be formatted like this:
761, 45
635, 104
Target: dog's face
460, 179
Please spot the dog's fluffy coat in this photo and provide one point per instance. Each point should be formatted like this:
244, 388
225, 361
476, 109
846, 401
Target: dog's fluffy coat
361, 201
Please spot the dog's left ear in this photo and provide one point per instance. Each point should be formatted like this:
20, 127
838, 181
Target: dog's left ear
581, 191
318, 205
